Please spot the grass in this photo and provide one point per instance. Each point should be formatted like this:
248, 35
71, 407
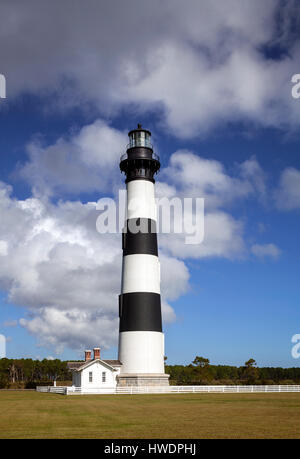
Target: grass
40, 415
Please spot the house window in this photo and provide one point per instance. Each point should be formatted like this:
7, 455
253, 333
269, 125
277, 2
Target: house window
90, 376
103, 376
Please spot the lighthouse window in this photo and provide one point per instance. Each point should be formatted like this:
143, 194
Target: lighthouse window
103, 376
90, 376
140, 139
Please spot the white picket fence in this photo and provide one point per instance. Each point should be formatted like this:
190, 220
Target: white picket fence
55, 390
205, 389
90, 391
67, 390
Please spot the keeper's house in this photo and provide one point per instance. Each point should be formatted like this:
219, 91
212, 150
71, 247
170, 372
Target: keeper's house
95, 374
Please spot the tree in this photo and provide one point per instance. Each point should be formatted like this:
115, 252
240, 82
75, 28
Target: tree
4, 381
250, 372
200, 370
250, 363
201, 362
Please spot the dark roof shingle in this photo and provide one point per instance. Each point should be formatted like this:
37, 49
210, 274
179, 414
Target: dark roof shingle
113, 362
76, 365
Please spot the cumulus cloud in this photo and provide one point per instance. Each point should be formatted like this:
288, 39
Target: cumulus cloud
84, 162
187, 175
191, 176
252, 173
265, 250
66, 273
94, 166
288, 192
200, 66
195, 176
223, 237
54, 262
3, 248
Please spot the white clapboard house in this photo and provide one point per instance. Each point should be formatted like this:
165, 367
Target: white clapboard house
95, 375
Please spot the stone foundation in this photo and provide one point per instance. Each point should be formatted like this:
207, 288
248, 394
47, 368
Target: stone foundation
140, 379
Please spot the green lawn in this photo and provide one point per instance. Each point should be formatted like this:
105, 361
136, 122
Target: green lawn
38, 415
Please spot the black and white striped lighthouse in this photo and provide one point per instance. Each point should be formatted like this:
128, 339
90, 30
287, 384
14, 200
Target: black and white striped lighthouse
141, 340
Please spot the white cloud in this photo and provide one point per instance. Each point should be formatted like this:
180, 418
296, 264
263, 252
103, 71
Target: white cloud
54, 262
195, 176
223, 237
84, 162
288, 193
95, 166
216, 87
3, 248
253, 174
174, 277
201, 66
191, 176
66, 273
265, 250
186, 175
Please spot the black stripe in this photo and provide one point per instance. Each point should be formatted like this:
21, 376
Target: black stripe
140, 237
140, 311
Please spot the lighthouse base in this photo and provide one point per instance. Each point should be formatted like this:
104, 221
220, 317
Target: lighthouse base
143, 379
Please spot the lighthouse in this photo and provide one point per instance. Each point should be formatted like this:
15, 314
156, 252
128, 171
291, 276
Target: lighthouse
141, 339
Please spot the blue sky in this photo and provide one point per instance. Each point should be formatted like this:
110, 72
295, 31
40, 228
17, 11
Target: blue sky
213, 84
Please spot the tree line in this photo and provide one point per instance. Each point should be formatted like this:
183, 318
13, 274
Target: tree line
27, 373
201, 372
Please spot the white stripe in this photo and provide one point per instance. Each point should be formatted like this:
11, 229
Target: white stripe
141, 200
141, 273
141, 352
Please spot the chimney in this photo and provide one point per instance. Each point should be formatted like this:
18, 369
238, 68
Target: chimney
96, 353
87, 355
